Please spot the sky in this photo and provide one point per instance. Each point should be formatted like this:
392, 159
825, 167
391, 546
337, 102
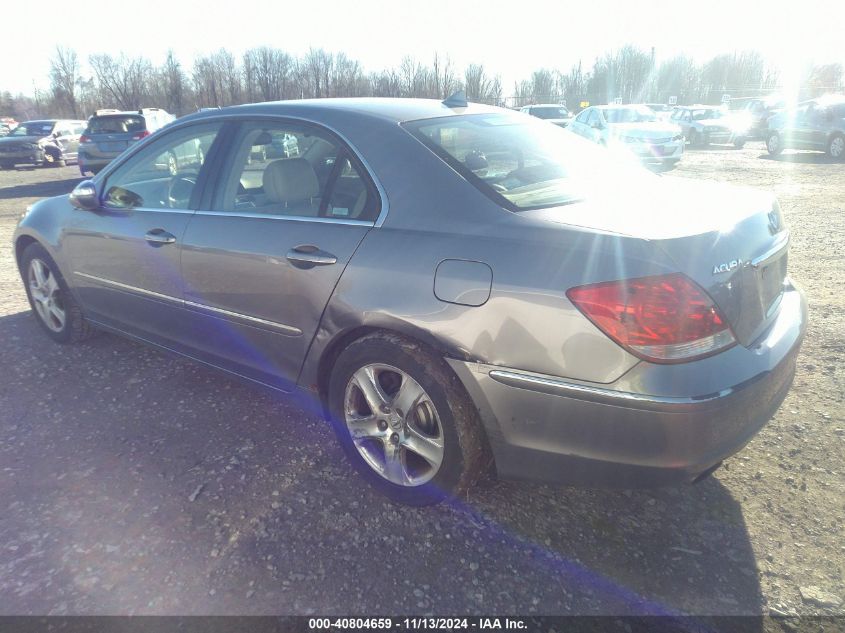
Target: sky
511, 38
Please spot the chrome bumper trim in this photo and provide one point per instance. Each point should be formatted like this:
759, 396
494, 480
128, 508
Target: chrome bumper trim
601, 395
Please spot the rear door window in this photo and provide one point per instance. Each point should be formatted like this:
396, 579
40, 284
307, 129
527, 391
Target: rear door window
289, 169
116, 124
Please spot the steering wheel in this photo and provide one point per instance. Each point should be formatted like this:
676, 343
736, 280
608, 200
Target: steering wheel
179, 190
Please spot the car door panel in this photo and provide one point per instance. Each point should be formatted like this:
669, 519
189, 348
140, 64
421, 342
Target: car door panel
125, 261
259, 268
253, 307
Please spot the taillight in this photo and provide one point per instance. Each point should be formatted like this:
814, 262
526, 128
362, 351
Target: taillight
84, 139
140, 135
663, 319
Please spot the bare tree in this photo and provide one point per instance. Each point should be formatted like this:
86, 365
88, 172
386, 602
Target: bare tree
122, 82
480, 87
64, 80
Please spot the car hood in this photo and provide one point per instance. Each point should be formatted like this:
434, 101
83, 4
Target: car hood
649, 129
21, 139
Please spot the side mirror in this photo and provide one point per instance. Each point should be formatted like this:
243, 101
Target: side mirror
120, 198
84, 196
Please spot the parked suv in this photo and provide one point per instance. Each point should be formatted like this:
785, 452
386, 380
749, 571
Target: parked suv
109, 132
44, 142
551, 112
818, 124
760, 111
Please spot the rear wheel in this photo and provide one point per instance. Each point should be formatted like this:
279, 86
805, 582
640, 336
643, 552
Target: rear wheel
7, 165
774, 144
52, 158
405, 421
836, 147
54, 306
172, 164
694, 138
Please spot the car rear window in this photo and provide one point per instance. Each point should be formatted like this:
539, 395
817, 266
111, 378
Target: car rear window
116, 124
549, 112
520, 162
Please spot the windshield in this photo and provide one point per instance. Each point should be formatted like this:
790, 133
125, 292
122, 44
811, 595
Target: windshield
115, 124
34, 128
520, 163
550, 112
700, 115
629, 115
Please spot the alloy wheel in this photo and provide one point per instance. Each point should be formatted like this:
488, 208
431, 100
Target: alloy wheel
46, 295
394, 424
837, 147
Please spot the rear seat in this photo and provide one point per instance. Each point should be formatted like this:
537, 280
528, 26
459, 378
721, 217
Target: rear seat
290, 188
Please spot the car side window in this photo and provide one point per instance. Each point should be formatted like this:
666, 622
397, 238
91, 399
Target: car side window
583, 115
164, 174
290, 169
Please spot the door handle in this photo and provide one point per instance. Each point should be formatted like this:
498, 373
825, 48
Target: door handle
157, 237
308, 256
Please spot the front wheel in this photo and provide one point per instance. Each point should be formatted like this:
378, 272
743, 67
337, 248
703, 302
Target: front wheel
54, 306
405, 421
739, 143
836, 147
774, 145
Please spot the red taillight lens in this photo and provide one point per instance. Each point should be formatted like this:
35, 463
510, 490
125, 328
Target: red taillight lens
664, 319
140, 135
84, 139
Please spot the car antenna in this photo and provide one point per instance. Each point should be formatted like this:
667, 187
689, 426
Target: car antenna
456, 100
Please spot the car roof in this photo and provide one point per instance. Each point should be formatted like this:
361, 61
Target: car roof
385, 109
545, 105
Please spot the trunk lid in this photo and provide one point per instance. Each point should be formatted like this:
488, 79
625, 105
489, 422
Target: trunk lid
731, 241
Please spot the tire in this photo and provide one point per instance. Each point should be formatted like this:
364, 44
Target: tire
53, 159
694, 138
774, 144
444, 423
6, 165
172, 164
739, 143
53, 293
836, 147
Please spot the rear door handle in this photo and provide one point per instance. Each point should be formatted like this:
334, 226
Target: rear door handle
159, 236
308, 256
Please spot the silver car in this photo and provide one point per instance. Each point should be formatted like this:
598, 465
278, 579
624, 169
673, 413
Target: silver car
703, 125
459, 288
636, 128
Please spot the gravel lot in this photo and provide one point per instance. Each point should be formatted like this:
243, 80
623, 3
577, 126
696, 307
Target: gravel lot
135, 483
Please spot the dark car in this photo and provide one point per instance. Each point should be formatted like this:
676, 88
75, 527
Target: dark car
760, 110
43, 142
459, 287
818, 124
551, 112
109, 132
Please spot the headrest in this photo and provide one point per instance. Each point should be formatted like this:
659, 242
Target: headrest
290, 180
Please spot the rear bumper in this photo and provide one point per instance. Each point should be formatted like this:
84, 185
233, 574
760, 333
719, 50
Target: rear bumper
95, 161
552, 429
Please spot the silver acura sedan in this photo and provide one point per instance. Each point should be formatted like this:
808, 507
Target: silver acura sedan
462, 288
